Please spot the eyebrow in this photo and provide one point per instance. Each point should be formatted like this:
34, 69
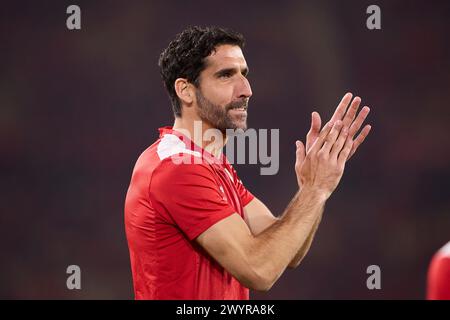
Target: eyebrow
221, 72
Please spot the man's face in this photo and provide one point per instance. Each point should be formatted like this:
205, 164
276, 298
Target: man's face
224, 91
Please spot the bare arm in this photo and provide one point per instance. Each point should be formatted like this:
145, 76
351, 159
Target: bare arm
258, 217
258, 261
295, 262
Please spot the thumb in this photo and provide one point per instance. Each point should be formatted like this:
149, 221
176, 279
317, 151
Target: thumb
313, 134
316, 121
300, 153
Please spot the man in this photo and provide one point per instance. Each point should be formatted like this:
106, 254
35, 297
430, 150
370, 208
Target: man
438, 279
194, 231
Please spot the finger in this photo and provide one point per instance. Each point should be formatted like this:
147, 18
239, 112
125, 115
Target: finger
356, 125
320, 140
313, 133
331, 138
351, 112
360, 139
300, 152
316, 122
340, 110
337, 147
343, 155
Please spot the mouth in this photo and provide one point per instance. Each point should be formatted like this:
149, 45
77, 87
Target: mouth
240, 105
240, 108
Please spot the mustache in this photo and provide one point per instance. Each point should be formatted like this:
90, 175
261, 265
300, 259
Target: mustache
238, 104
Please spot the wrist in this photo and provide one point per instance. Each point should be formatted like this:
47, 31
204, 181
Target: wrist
313, 194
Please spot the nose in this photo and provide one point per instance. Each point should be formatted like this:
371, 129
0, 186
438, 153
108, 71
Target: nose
244, 89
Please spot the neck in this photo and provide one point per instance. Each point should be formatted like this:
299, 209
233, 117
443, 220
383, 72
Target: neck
202, 134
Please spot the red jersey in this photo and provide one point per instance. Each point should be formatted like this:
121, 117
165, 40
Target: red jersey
439, 275
170, 202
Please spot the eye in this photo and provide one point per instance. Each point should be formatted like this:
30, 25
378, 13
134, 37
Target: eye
226, 75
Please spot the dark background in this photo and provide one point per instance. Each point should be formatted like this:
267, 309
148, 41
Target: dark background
78, 107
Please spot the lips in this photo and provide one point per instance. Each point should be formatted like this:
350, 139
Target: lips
240, 108
241, 105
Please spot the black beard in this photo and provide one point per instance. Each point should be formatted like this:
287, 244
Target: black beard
218, 116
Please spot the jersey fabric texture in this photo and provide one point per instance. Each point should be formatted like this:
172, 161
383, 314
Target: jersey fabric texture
177, 191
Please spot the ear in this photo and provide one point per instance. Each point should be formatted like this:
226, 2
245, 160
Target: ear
184, 91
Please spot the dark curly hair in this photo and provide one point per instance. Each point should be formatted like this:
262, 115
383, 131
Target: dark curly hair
185, 56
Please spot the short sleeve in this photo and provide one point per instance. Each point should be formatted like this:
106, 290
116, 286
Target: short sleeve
245, 195
439, 278
190, 195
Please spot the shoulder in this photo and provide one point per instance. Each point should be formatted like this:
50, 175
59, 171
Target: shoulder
181, 172
179, 167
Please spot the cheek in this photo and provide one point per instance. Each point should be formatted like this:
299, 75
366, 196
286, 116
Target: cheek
222, 95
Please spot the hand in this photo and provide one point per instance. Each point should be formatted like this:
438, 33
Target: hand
354, 126
347, 121
323, 167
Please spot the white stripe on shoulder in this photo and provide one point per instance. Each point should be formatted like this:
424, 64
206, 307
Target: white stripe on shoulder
445, 250
229, 174
170, 144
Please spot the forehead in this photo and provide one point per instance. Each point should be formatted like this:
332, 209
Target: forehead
226, 56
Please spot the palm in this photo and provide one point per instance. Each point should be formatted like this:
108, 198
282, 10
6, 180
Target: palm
348, 118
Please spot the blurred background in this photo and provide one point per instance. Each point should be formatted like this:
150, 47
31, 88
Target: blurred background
78, 107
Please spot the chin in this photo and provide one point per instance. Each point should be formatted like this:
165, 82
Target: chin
240, 125
233, 124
